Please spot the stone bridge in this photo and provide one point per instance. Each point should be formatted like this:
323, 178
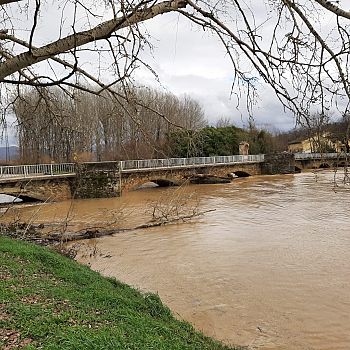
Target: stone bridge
108, 179
54, 182
179, 176
305, 161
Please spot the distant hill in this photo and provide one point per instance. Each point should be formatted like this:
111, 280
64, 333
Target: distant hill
9, 153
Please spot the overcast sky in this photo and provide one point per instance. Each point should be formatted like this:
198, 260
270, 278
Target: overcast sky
191, 61
187, 61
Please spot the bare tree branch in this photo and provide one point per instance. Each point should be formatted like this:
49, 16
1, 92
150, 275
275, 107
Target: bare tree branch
4, 2
306, 64
102, 31
329, 5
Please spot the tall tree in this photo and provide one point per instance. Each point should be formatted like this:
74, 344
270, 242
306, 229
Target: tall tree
54, 126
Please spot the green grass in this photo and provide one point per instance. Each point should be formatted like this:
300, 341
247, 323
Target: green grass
48, 301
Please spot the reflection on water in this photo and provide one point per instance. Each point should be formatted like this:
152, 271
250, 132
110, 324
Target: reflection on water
270, 268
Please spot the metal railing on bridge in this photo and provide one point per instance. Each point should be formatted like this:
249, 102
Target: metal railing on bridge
135, 165
62, 169
301, 156
26, 171
47, 170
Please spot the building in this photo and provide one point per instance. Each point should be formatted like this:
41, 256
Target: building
322, 144
301, 146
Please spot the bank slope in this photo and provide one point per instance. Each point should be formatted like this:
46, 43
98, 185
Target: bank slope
48, 301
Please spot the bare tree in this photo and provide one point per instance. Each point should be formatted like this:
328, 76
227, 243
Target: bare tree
305, 62
50, 127
55, 127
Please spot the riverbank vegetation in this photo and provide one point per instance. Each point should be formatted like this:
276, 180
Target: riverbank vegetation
48, 301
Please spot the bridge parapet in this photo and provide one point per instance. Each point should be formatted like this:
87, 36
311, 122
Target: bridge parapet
149, 164
40, 170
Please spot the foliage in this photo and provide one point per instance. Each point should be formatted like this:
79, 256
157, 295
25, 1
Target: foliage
48, 301
183, 143
218, 141
260, 141
207, 142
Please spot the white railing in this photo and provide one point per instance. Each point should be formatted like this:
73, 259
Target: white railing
301, 156
129, 165
28, 171
25, 171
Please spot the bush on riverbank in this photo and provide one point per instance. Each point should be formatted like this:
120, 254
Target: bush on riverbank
48, 301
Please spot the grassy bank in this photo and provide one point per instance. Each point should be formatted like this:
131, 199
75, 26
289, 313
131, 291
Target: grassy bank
48, 301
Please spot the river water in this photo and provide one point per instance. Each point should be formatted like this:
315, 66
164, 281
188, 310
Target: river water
269, 268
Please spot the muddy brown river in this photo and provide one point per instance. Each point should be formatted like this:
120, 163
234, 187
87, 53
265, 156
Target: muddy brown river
269, 268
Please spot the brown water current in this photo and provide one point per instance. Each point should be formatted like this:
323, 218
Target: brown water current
269, 268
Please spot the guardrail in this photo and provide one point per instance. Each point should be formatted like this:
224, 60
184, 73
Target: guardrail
301, 156
25, 171
128, 165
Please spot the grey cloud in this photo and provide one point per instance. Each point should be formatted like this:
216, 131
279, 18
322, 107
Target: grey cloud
190, 61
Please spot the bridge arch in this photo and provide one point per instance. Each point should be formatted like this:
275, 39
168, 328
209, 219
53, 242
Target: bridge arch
164, 182
135, 183
341, 165
9, 198
29, 199
21, 197
241, 173
154, 183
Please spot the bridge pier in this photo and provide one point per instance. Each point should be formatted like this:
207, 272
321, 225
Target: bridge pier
278, 163
96, 180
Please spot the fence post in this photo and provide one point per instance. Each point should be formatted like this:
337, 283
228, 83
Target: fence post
25, 170
120, 166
